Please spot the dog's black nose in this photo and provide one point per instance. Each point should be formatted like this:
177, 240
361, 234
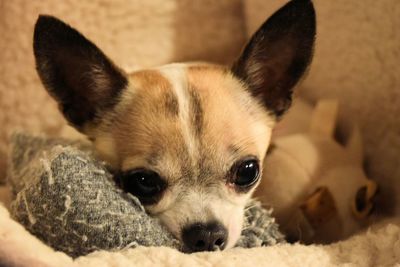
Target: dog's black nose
205, 237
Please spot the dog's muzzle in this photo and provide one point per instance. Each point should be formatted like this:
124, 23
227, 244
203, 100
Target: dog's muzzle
205, 237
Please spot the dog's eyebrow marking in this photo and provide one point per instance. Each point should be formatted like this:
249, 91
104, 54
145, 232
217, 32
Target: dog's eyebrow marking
171, 104
234, 150
154, 156
196, 110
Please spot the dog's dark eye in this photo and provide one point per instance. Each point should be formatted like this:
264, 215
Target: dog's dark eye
144, 184
246, 173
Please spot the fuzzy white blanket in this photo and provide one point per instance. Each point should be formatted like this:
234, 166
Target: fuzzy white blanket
378, 246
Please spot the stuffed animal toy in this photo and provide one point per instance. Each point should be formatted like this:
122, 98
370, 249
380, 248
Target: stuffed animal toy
316, 186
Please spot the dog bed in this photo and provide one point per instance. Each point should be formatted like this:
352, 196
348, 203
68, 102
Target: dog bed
379, 246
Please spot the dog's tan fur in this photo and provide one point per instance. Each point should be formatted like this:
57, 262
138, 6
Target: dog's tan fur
152, 121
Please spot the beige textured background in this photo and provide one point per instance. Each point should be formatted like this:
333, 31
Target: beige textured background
356, 60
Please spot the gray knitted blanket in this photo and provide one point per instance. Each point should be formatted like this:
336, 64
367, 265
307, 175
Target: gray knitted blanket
68, 199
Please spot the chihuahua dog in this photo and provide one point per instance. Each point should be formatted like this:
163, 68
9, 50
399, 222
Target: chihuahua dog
188, 140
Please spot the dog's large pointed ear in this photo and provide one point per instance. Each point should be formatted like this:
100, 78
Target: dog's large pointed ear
75, 72
278, 54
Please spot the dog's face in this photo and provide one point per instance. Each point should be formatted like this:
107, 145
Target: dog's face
199, 137
187, 139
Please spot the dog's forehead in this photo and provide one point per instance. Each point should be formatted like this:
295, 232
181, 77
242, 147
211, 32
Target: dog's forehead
186, 117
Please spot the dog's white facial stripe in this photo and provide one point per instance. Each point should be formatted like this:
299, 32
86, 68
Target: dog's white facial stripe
177, 76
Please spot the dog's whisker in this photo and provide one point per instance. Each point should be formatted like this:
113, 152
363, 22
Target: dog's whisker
245, 228
249, 207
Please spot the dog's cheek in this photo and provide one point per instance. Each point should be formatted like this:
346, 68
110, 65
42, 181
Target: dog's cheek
171, 222
170, 215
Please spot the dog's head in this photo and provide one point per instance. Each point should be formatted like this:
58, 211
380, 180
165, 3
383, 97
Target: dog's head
188, 139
